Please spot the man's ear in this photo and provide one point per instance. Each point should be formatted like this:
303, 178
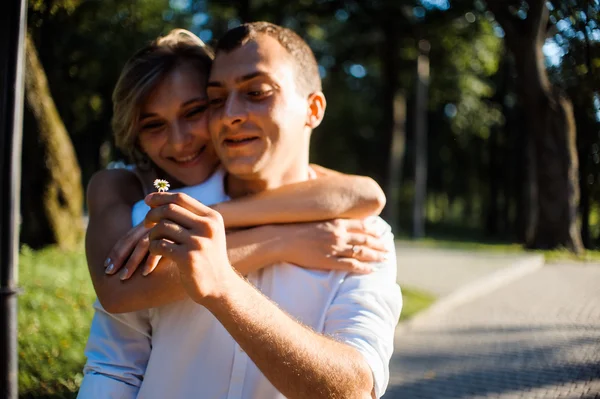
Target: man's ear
316, 109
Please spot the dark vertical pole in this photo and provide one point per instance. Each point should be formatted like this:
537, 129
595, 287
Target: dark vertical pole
12, 34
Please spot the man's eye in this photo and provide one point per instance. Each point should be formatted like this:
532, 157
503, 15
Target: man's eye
257, 93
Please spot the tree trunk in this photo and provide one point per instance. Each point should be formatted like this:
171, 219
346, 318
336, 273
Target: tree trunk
395, 120
421, 140
493, 209
549, 118
52, 195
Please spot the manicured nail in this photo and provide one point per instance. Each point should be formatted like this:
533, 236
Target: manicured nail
106, 262
146, 271
109, 269
124, 272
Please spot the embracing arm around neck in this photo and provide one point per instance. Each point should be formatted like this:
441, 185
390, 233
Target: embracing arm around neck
111, 195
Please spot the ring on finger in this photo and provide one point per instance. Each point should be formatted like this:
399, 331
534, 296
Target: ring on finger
355, 250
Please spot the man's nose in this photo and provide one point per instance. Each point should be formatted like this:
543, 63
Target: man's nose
235, 111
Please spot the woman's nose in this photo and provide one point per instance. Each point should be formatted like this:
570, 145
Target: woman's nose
180, 135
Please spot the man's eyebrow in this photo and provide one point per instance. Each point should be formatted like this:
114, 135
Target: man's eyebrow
241, 79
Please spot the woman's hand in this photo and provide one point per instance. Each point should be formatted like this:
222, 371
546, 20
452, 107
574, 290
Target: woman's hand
131, 251
340, 244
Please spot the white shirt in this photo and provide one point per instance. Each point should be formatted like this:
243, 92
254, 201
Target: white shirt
182, 351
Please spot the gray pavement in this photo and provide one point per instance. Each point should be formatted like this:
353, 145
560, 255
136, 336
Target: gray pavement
535, 337
442, 271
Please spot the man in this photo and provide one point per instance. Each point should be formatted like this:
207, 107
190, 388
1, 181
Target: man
283, 330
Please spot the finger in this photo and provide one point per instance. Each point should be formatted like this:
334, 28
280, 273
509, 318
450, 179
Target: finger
121, 250
171, 231
157, 199
368, 241
353, 265
361, 226
150, 264
136, 258
164, 248
173, 212
363, 254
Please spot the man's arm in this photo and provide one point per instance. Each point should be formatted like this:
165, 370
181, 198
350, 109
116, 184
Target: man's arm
299, 362
350, 361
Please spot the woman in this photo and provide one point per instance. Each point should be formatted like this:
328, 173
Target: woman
160, 109
159, 120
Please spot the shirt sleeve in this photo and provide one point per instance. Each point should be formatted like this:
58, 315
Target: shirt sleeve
117, 352
365, 311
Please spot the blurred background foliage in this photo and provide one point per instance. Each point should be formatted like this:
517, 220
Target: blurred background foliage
471, 110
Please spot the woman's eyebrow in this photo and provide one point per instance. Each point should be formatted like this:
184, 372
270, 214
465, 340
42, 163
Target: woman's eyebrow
195, 99
147, 115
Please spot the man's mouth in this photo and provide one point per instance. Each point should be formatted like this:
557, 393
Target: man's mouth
189, 159
239, 141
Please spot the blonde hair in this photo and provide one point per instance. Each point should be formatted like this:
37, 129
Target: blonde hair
141, 74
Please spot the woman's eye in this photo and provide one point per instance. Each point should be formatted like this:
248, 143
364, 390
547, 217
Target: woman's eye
215, 101
195, 111
151, 126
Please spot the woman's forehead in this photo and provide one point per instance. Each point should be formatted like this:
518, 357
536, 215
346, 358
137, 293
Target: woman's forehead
181, 85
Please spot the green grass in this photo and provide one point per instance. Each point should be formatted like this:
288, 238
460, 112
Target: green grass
414, 301
55, 312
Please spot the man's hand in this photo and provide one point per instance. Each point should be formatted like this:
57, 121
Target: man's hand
193, 236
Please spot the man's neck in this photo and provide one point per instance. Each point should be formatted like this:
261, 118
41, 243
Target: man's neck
240, 187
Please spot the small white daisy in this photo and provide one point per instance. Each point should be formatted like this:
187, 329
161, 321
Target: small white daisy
161, 185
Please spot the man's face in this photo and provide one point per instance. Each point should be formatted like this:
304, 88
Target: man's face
258, 117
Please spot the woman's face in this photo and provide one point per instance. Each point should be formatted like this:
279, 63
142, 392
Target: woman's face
173, 128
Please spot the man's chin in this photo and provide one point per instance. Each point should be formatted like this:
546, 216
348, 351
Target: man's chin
242, 168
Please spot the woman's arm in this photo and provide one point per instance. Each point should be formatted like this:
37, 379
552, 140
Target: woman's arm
332, 195
111, 195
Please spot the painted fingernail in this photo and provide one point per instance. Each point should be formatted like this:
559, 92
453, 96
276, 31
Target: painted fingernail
123, 275
109, 269
106, 262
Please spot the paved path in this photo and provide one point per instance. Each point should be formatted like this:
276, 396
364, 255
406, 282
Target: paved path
441, 271
537, 337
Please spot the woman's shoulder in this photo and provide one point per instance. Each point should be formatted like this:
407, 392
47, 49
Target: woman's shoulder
115, 185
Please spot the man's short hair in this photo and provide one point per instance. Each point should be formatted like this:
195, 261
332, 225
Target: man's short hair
307, 70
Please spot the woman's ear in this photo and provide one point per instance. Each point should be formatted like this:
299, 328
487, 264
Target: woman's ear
316, 109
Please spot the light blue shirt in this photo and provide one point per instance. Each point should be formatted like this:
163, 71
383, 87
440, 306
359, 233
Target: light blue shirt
181, 350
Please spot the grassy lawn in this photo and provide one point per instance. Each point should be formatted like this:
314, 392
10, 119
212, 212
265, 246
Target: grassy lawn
55, 312
414, 301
